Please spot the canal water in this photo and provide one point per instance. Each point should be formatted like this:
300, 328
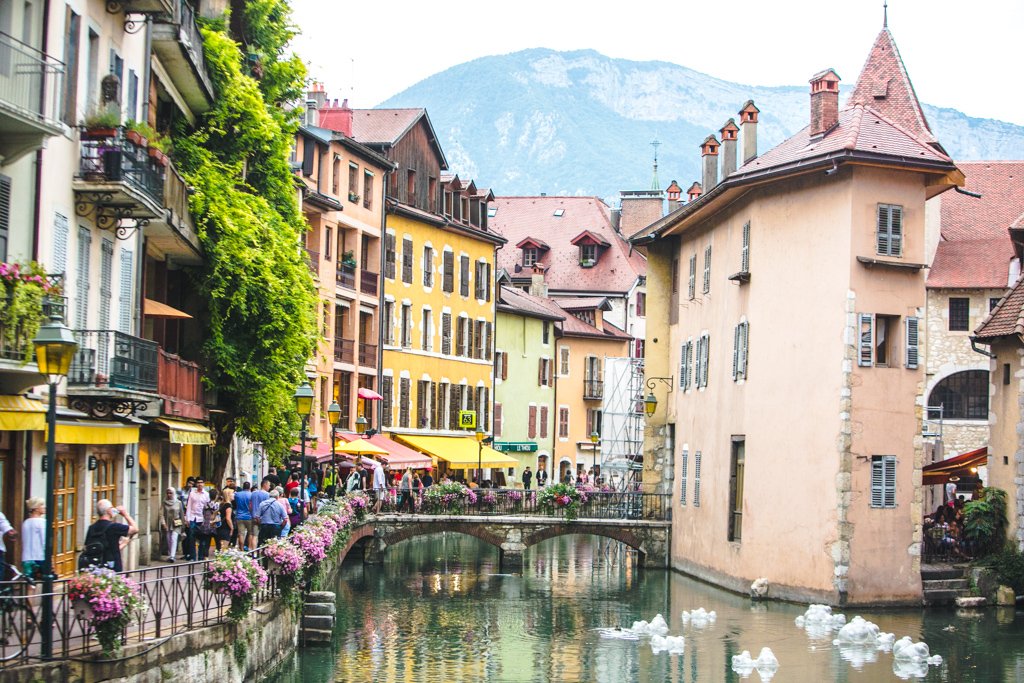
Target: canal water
439, 609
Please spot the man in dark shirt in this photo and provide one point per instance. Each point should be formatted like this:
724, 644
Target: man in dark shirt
272, 476
109, 533
527, 478
427, 480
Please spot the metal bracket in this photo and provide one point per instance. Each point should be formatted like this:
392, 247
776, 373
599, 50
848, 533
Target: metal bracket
108, 216
101, 407
667, 381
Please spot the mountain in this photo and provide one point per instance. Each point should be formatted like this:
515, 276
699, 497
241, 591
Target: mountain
581, 123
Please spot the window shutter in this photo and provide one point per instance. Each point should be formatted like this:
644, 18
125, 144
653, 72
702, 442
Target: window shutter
912, 343
308, 149
460, 334
543, 422
865, 354
563, 422
470, 397
487, 281
889, 476
434, 392
895, 231
428, 266
692, 289
464, 275
682, 477
407, 260
488, 348
5, 214
736, 353
124, 313
877, 477
60, 243
882, 229
448, 277
531, 422
696, 479
590, 422
403, 401
389, 256
421, 404
387, 391
540, 372
745, 257
82, 289
485, 406
106, 282
744, 348
707, 269
446, 333
707, 354
497, 419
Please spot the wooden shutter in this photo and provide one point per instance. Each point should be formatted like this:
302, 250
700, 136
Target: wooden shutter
428, 267
682, 476
895, 231
531, 422
308, 152
485, 406
406, 260
745, 255
540, 372
912, 343
389, 256
882, 230
446, 333
543, 422
692, 287
504, 365
387, 391
460, 334
563, 422
707, 269
454, 405
464, 275
865, 351
487, 281
403, 401
448, 277
470, 398
877, 482
590, 422
432, 392
422, 404
497, 419
488, 331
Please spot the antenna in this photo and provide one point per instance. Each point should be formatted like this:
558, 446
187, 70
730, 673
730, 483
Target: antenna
885, 13
655, 185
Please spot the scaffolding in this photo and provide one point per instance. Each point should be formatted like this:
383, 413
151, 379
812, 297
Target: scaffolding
622, 432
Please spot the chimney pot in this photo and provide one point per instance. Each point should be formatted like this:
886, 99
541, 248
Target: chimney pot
824, 101
748, 126
729, 131
694, 191
709, 151
312, 118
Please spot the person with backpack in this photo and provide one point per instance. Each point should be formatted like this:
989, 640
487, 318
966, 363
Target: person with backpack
296, 508
172, 522
103, 539
271, 517
195, 502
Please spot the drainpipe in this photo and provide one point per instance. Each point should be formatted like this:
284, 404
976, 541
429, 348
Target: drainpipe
147, 70
379, 410
974, 347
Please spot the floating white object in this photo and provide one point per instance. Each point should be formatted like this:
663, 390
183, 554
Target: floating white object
670, 644
655, 626
699, 618
766, 664
819, 622
759, 588
906, 649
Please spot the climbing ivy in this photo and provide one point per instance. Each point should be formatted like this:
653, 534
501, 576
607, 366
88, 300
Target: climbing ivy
259, 298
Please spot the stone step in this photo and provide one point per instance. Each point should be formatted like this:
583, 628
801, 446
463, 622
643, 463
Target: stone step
317, 621
941, 571
321, 596
942, 584
316, 635
971, 602
319, 608
941, 597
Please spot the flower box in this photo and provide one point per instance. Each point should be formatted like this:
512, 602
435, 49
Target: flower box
136, 138
99, 133
158, 156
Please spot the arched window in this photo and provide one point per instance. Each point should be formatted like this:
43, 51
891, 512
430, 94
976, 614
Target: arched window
962, 395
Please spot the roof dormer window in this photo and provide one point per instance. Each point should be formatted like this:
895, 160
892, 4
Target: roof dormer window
588, 255
529, 256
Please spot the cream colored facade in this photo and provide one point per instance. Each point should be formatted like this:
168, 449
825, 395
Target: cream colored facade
1006, 448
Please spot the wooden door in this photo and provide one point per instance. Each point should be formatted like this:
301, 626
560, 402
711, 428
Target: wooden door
65, 496
104, 479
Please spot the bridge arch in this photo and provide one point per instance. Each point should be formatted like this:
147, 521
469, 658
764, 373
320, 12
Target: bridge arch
403, 533
621, 534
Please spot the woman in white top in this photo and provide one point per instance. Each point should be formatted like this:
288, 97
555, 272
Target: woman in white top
33, 538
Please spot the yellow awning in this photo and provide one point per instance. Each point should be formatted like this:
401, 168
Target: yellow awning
96, 433
458, 451
187, 432
19, 413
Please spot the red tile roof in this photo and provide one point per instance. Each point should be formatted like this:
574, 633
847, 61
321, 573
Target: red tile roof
1001, 186
383, 126
517, 218
884, 86
513, 299
971, 264
1007, 318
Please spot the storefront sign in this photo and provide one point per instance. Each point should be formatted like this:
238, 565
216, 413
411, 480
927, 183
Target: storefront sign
515, 446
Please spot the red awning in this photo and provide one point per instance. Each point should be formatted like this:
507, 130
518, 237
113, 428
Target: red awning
940, 472
399, 455
321, 453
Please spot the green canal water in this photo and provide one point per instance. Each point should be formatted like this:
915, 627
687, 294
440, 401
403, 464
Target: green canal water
440, 610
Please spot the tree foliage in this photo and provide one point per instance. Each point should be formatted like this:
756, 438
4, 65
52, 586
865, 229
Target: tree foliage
259, 297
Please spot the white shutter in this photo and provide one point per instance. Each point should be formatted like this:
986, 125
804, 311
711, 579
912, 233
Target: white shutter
124, 312
889, 485
741, 370
705, 353
692, 289
736, 352
682, 477
106, 282
5, 213
61, 232
912, 342
866, 332
745, 258
696, 479
82, 280
877, 481
698, 363
707, 269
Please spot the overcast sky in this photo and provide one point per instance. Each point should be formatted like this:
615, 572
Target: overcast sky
959, 54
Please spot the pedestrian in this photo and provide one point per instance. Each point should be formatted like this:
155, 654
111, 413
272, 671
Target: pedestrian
226, 525
206, 530
272, 475
330, 477
427, 480
243, 516
190, 484
542, 477
379, 486
198, 498
354, 481
282, 500
527, 478
296, 509
405, 487
7, 533
33, 538
172, 522
108, 536
271, 517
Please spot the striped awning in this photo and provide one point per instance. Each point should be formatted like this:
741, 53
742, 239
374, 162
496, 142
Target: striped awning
187, 433
20, 413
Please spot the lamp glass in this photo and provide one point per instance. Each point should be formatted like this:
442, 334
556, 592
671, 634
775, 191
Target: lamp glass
304, 399
55, 348
480, 434
594, 437
334, 413
650, 405
361, 423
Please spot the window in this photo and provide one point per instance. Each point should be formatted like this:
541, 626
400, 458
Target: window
432, 192
336, 176
387, 391
878, 340
1006, 374
545, 332
883, 481
993, 302
564, 361
641, 304
133, 94
464, 275
406, 326
588, 255
480, 280
529, 256
423, 404
682, 477
745, 253
701, 367
480, 347
707, 270
106, 281
446, 333
544, 372
389, 256
367, 190
736, 466
448, 272
428, 266
389, 322
686, 366
403, 401
407, 260
593, 421
739, 351
692, 286
427, 327
563, 422
639, 348
497, 419
353, 182
444, 400
500, 365
696, 479
71, 42
328, 242
889, 235
959, 314
962, 395
410, 186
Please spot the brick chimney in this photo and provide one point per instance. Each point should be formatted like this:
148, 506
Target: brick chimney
318, 94
537, 285
748, 126
337, 118
729, 132
312, 115
824, 102
709, 152
675, 196
695, 191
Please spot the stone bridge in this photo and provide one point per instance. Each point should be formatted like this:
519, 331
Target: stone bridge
512, 535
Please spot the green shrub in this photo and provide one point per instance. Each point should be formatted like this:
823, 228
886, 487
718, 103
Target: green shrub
985, 521
1008, 565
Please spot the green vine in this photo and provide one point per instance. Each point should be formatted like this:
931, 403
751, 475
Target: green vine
260, 301
25, 287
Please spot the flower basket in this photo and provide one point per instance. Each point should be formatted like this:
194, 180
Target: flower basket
448, 499
561, 499
234, 574
359, 503
99, 133
109, 601
158, 156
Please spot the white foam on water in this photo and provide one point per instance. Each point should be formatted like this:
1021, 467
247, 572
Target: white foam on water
699, 618
671, 644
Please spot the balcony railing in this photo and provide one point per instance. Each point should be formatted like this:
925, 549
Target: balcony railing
119, 160
179, 380
593, 389
368, 282
30, 81
346, 276
112, 359
177, 40
313, 260
344, 350
367, 355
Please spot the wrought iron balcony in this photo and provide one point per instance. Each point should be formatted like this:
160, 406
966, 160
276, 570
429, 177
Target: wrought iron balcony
368, 282
179, 45
30, 86
593, 389
344, 350
114, 360
367, 355
346, 276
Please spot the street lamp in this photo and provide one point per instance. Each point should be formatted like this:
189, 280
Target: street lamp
480, 435
361, 424
55, 347
303, 406
334, 416
651, 403
594, 438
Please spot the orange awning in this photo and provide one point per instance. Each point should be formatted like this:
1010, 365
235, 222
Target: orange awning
156, 309
940, 472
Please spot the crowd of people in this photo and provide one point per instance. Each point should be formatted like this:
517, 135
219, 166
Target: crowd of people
943, 529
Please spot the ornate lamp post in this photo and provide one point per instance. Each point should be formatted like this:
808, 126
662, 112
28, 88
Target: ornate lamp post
594, 439
55, 347
334, 416
303, 406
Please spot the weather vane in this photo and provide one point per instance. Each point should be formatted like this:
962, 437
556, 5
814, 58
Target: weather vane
885, 13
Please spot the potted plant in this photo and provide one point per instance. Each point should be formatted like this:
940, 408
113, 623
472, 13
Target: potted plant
284, 557
561, 498
23, 290
101, 124
107, 600
450, 498
238, 576
349, 259
138, 133
158, 149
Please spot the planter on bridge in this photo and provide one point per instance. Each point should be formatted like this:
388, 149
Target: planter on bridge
109, 602
562, 498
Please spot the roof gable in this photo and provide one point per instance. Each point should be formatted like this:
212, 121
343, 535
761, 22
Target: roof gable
1007, 318
386, 127
532, 242
587, 237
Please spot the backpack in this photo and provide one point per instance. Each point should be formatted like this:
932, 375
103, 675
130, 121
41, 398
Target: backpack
94, 554
207, 527
296, 511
